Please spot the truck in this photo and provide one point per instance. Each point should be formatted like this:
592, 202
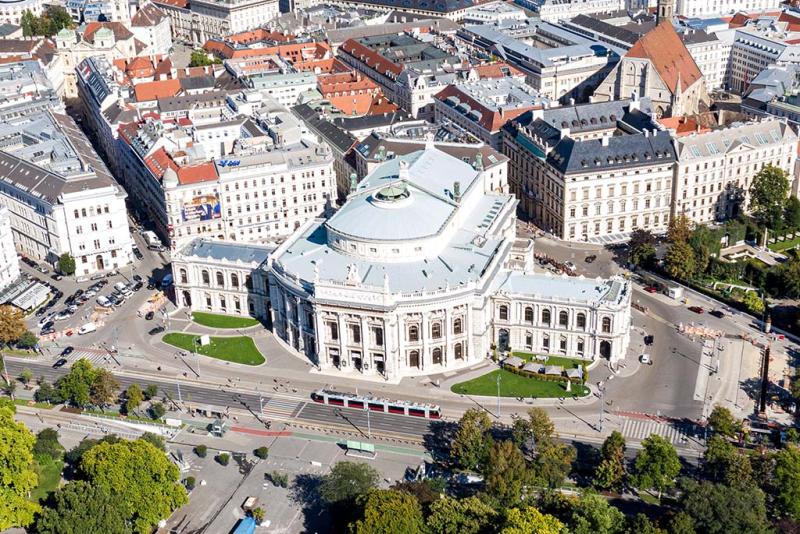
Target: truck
151, 240
87, 328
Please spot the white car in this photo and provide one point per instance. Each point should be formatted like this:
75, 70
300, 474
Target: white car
85, 329
645, 359
46, 319
570, 266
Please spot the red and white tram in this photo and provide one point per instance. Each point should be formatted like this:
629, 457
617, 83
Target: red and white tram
373, 404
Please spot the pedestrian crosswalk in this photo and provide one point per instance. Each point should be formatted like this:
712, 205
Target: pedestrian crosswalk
677, 433
95, 356
276, 407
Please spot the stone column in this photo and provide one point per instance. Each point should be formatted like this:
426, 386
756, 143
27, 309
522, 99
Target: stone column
400, 355
447, 328
301, 341
423, 331
344, 355
364, 342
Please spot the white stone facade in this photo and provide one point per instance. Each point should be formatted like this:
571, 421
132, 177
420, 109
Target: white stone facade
221, 277
706, 9
11, 11
9, 263
200, 20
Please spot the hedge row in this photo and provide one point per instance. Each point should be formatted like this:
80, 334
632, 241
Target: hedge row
540, 376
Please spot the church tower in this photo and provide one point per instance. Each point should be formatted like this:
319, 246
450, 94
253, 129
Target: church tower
665, 11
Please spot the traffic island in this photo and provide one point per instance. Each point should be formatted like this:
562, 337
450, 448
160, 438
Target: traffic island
514, 385
235, 349
215, 320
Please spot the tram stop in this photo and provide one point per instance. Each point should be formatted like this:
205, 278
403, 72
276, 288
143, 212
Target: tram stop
360, 449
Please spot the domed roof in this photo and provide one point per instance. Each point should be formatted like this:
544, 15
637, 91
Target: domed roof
393, 193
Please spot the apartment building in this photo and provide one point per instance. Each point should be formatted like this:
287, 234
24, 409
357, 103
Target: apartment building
9, 263
592, 172
197, 21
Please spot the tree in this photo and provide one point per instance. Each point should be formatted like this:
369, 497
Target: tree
459, 516
679, 261
223, 458
25, 376
53, 20
258, 514
680, 523
722, 422
17, 474
262, 452
530, 520
348, 480
640, 524
200, 58
9, 388
155, 440
157, 410
12, 324
28, 340
542, 428
753, 302
656, 465
76, 385
787, 278
791, 213
150, 391
471, 442
593, 515
104, 388
82, 507
74, 456
679, 230
553, 463
787, 480
47, 393
66, 264
768, 193
389, 512
133, 398
142, 475
643, 255
611, 470
719, 509
505, 473
723, 463
190, 482
47, 446
201, 451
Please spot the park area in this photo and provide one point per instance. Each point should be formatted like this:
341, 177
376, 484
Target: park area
518, 385
236, 349
214, 320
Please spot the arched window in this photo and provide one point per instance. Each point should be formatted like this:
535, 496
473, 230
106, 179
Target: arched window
458, 351
436, 330
562, 345
413, 333
220, 279
503, 312
184, 277
206, 278
248, 282
546, 317
437, 355
581, 346
581, 320
546, 343
413, 358
234, 280
606, 324
529, 315
528, 340
563, 318
458, 327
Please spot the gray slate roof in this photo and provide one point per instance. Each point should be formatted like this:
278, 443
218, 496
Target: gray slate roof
227, 251
571, 156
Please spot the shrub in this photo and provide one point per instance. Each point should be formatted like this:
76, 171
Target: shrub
262, 452
201, 451
189, 482
157, 410
150, 391
279, 479
223, 459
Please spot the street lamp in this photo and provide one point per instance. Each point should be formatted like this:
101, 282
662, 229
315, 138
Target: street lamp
498, 394
369, 426
196, 340
602, 406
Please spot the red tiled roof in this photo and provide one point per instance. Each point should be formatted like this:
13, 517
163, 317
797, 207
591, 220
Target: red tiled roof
258, 35
174, 3
491, 120
159, 161
146, 91
372, 59
665, 50
683, 125
345, 82
499, 69
294, 52
147, 15
195, 174
121, 33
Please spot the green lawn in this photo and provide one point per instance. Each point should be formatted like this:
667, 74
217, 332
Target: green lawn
32, 404
784, 245
214, 320
49, 477
566, 363
513, 385
237, 349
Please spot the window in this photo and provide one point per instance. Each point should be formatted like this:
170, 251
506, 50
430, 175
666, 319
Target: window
206, 279
235, 281
503, 312
220, 279
184, 277
546, 342
580, 346
563, 318
458, 326
222, 303
529, 340
606, 324
355, 333
333, 331
529, 315
458, 351
580, 319
562, 345
437, 355
546, 317
413, 333
436, 330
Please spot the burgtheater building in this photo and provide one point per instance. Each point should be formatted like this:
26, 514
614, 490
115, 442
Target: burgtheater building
420, 272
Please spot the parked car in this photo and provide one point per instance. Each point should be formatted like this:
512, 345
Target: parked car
97, 276
60, 363
62, 315
156, 330
136, 278
137, 254
651, 289
47, 331
719, 314
42, 269
102, 301
149, 316
56, 277
696, 309
67, 351
570, 266
649, 339
137, 286
590, 259
645, 359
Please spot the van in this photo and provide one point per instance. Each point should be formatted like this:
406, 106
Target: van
87, 328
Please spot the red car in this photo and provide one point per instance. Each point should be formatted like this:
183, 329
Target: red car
651, 289
696, 309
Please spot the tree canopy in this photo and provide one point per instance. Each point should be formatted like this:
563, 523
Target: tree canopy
593, 515
611, 470
459, 516
347, 481
656, 465
722, 421
52, 21
506, 473
66, 264
768, 194
142, 475
17, 474
389, 512
720, 509
12, 324
528, 520
80, 508
679, 261
86, 384
471, 443
787, 480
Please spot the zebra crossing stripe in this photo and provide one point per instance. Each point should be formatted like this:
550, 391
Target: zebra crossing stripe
639, 429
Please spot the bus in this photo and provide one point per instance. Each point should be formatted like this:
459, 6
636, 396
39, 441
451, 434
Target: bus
374, 404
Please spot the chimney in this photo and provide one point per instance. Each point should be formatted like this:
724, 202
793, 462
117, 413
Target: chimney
564, 132
457, 191
646, 132
604, 140
571, 101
